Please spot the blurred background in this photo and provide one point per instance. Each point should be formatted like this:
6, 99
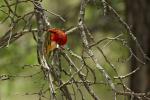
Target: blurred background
15, 58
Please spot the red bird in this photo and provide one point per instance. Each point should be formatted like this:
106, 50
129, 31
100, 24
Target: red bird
57, 37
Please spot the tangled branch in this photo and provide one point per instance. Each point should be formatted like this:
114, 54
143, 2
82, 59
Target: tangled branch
77, 76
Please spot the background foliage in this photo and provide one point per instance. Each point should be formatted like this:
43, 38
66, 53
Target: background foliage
15, 57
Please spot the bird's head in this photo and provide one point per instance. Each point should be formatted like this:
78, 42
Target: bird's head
58, 36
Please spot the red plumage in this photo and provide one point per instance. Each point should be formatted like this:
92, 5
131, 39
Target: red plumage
58, 36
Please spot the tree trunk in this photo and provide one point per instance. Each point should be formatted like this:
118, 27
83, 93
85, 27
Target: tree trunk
138, 16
